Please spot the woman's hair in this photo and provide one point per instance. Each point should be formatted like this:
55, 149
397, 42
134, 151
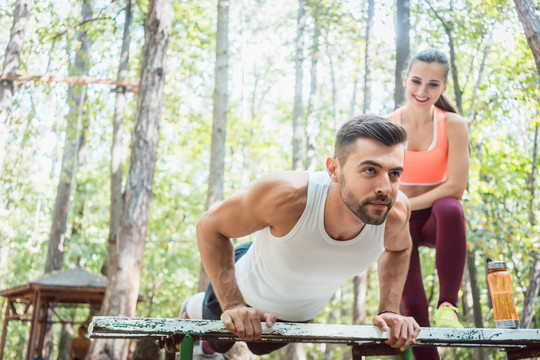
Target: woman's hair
431, 56
367, 126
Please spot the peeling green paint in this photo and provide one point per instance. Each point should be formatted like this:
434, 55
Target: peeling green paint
123, 327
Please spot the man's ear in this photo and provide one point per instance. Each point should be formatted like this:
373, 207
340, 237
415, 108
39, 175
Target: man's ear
332, 166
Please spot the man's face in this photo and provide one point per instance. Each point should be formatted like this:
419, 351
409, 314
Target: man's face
369, 179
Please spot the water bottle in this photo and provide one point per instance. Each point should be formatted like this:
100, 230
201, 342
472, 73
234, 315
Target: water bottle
502, 297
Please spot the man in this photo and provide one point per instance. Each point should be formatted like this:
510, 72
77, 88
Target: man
313, 232
79, 346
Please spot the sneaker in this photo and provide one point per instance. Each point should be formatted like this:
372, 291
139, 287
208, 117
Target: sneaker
202, 350
446, 316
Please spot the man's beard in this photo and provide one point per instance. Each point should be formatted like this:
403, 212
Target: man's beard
360, 209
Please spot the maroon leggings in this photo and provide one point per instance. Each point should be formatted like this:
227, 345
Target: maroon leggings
442, 227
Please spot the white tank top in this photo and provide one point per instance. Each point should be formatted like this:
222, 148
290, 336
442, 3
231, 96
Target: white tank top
294, 276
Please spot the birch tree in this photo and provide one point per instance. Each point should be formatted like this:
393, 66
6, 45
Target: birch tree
76, 95
219, 123
298, 128
531, 25
116, 148
367, 57
528, 16
360, 282
403, 27
123, 284
11, 64
311, 118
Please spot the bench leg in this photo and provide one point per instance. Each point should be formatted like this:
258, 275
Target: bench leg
407, 355
186, 348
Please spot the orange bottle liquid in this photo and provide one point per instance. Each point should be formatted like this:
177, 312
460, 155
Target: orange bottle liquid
502, 297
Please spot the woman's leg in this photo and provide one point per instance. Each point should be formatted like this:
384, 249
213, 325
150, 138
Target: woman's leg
447, 226
414, 300
414, 303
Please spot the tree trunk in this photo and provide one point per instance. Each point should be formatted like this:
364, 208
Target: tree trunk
11, 64
311, 115
66, 335
531, 294
534, 278
123, 285
356, 70
476, 88
403, 27
295, 351
116, 148
367, 58
471, 300
360, 296
453, 64
76, 96
333, 318
531, 25
334, 88
72, 142
298, 128
219, 126
453, 61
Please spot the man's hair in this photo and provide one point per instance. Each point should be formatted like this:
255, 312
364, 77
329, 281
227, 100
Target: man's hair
367, 126
83, 328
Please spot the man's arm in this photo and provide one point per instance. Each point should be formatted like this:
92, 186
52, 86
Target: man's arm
393, 265
274, 201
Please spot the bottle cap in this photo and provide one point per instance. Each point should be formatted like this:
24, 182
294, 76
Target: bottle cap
499, 264
507, 324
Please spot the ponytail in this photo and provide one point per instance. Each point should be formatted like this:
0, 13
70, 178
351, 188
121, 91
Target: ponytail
445, 105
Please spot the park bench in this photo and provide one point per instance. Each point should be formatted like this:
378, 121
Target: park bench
365, 340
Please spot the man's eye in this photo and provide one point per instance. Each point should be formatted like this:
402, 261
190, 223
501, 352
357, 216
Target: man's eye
395, 174
369, 170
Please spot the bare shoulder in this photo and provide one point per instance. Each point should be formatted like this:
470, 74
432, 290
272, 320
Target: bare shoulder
455, 121
280, 194
457, 130
398, 217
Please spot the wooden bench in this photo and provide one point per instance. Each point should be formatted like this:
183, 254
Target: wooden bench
364, 339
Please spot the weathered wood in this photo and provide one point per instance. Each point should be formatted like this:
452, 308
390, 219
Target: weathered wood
123, 327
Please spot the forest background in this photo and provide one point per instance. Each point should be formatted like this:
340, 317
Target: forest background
348, 68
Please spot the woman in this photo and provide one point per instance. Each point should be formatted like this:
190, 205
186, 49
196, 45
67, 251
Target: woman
434, 179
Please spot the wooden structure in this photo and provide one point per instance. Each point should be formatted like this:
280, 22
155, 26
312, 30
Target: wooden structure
37, 297
365, 340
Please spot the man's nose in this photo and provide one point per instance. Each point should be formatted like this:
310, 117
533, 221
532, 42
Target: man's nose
383, 185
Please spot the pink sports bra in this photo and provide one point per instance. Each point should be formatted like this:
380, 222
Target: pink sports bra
428, 167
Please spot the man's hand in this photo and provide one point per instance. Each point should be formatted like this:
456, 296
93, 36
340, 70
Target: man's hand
403, 329
245, 321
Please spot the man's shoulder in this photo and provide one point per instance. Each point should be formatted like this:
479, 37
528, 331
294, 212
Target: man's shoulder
280, 198
283, 183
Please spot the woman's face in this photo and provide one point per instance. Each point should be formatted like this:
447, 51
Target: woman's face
424, 83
